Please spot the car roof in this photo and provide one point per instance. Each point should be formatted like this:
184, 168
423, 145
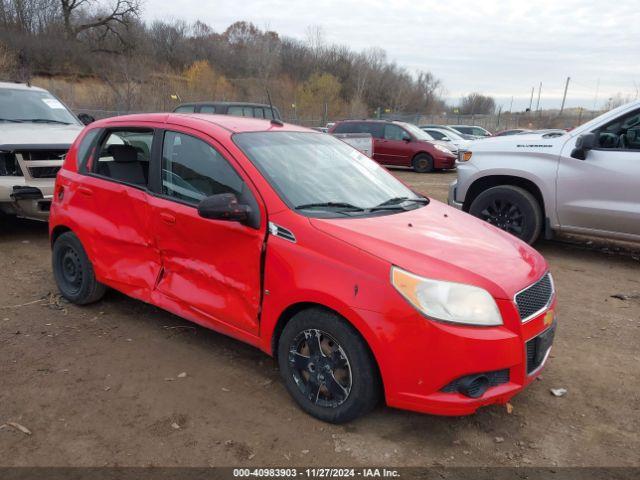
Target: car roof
375, 120
225, 104
199, 121
19, 86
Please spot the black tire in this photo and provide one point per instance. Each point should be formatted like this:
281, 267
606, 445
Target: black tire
73, 271
342, 363
422, 163
511, 209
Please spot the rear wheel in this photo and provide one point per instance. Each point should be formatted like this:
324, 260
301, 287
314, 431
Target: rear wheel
512, 209
327, 367
423, 163
73, 271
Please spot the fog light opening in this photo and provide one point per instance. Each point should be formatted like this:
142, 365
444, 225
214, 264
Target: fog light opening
473, 386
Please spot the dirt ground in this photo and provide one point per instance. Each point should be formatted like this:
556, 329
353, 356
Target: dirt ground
102, 385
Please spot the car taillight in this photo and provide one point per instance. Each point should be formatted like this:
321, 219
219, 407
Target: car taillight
466, 156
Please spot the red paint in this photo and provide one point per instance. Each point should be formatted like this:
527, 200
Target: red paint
218, 273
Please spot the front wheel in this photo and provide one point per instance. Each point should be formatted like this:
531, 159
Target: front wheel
512, 209
327, 367
422, 163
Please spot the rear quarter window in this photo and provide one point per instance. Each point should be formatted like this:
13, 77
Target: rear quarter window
87, 144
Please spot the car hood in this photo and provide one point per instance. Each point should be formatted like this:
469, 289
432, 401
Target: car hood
530, 142
440, 242
38, 134
446, 145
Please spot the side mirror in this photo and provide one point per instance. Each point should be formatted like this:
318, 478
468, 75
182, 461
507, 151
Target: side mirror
406, 138
86, 119
224, 206
446, 139
584, 143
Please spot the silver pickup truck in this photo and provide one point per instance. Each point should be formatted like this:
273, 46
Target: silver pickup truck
586, 181
36, 130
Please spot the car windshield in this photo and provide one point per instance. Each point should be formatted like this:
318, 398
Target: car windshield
18, 105
319, 175
415, 131
451, 134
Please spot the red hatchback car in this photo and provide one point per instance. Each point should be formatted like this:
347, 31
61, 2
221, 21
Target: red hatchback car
296, 243
400, 144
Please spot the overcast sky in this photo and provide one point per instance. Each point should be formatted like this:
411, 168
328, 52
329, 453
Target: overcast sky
502, 48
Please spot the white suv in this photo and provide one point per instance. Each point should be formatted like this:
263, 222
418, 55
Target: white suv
586, 181
36, 130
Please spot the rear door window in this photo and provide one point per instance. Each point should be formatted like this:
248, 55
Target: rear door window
123, 155
185, 109
208, 109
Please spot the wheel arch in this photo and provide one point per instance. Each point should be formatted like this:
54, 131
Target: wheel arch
484, 183
57, 231
295, 308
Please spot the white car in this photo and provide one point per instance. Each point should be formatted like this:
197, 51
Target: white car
449, 136
36, 130
585, 181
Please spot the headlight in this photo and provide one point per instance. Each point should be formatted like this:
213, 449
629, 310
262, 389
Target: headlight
447, 301
442, 149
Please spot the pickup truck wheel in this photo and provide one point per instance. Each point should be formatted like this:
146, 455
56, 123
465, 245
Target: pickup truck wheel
73, 271
422, 163
327, 367
511, 209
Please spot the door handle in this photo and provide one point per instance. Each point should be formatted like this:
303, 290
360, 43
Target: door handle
85, 191
167, 218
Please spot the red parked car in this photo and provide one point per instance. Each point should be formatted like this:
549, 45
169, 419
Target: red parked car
296, 243
400, 144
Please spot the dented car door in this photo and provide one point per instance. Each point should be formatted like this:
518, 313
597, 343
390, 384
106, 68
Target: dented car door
212, 268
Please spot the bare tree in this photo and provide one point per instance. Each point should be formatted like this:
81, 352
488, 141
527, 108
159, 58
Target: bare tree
477, 103
80, 16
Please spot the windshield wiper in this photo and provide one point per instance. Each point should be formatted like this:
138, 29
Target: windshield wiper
399, 200
340, 205
13, 120
43, 120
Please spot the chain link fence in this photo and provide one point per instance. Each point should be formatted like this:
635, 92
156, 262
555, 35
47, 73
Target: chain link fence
493, 123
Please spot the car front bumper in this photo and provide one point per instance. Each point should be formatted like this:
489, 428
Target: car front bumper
451, 199
423, 358
26, 198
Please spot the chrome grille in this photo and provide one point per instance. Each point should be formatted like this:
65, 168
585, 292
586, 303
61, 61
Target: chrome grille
535, 298
41, 163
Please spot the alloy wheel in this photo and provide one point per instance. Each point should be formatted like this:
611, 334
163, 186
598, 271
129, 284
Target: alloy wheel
320, 368
504, 215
